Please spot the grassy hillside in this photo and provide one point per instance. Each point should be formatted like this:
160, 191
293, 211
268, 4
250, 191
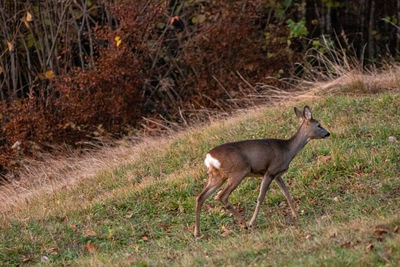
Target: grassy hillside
347, 190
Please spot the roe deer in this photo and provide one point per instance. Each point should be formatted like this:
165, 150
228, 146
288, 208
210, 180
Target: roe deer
270, 158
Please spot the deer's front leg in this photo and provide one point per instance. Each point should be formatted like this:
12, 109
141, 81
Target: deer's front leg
263, 189
289, 198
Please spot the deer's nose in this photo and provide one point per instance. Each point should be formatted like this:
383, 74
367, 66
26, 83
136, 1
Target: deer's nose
327, 134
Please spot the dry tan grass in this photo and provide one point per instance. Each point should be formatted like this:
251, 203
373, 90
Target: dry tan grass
66, 172
357, 82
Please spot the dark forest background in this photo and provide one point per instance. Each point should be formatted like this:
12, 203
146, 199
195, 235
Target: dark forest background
72, 71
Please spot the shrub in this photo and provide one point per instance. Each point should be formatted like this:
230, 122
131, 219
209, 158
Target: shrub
139, 62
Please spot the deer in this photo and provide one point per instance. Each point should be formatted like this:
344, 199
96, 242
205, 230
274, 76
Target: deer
230, 163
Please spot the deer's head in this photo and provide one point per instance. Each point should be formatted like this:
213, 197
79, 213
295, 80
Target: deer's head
310, 127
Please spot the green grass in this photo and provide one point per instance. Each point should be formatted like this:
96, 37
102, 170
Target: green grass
142, 213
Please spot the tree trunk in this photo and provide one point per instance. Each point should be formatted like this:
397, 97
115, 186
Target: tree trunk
370, 30
398, 27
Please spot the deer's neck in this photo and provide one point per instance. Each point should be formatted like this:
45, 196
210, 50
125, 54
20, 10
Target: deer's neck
297, 142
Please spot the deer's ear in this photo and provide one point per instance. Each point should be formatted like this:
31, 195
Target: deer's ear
307, 113
298, 113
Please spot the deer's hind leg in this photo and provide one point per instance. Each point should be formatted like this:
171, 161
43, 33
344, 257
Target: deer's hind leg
233, 182
214, 182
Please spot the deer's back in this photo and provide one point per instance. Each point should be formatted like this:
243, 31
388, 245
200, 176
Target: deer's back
257, 156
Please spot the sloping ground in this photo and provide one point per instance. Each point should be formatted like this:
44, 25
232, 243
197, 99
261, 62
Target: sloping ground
347, 190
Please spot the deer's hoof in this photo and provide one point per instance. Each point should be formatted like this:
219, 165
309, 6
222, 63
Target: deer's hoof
198, 237
251, 228
196, 233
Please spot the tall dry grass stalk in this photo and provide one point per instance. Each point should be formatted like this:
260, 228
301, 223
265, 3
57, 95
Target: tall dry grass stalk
336, 70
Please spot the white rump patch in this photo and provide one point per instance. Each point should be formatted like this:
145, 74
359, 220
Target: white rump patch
210, 161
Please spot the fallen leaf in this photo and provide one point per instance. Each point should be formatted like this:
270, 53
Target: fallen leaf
90, 247
89, 233
379, 231
171, 20
28, 16
118, 40
49, 74
226, 233
73, 227
25, 22
309, 237
369, 135
347, 244
191, 228
10, 46
364, 211
53, 250
370, 247
44, 259
16, 145
396, 229
336, 199
128, 216
323, 159
27, 258
174, 19
165, 227
201, 18
144, 238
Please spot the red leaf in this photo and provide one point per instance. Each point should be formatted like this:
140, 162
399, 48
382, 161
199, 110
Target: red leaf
90, 247
347, 244
165, 227
379, 231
